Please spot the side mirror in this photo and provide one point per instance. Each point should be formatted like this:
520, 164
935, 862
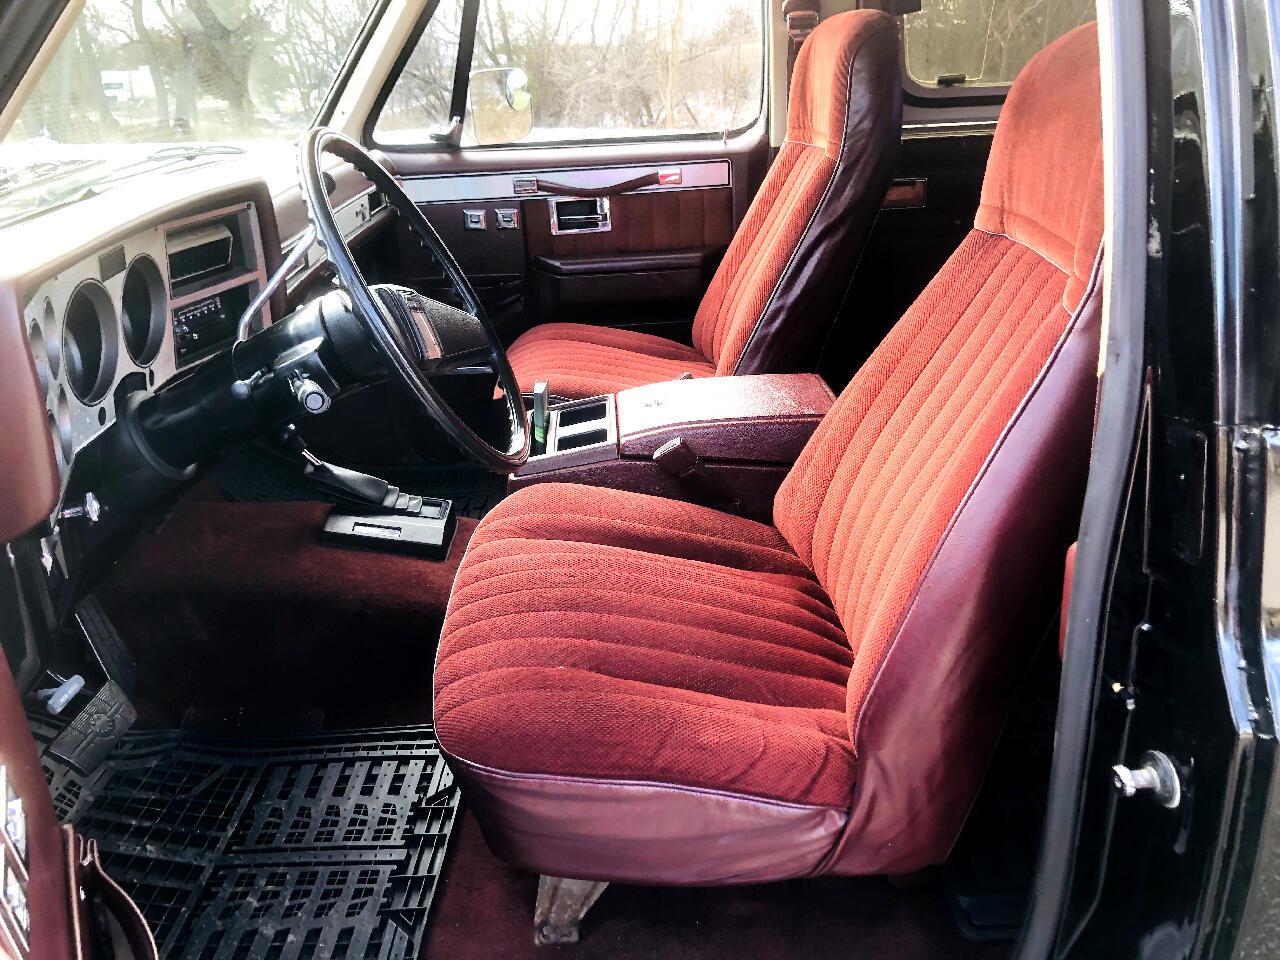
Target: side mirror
499, 105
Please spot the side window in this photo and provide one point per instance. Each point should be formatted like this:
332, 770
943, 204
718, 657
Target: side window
418, 103
570, 71
955, 46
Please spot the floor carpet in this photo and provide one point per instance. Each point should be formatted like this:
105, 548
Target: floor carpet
485, 908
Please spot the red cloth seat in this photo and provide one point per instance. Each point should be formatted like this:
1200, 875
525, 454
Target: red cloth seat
579, 360
643, 690
660, 631
778, 289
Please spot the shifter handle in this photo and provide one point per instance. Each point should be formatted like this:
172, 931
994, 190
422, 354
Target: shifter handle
541, 412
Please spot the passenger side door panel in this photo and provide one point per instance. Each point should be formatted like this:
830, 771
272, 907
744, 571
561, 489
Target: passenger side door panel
647, 271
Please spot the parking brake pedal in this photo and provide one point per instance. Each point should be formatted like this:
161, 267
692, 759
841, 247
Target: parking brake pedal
85, 743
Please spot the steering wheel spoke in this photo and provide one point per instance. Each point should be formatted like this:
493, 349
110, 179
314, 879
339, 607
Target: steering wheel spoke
418, 337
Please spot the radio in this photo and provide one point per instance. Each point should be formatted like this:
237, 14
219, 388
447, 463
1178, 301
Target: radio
201, 327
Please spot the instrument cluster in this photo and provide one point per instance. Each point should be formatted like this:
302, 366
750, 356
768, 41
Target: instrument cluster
124, 319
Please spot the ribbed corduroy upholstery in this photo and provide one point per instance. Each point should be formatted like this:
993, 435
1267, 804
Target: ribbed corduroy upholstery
586, 361
816, 204
871, 495
868, 501
599, 638
653, 636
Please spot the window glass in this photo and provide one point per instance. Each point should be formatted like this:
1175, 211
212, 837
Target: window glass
985, 42
144, 85
585, 70
161, 71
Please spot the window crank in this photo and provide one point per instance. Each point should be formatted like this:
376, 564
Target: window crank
1157, 775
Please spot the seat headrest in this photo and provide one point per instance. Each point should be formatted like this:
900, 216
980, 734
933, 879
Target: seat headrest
819, 110
1043, 186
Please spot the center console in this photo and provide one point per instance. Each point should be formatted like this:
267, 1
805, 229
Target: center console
726, 442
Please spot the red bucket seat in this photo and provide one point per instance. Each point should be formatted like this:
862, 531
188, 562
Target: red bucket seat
776, 293
644, 690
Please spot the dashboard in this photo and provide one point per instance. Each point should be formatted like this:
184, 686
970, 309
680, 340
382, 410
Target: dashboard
132, 289
133, 315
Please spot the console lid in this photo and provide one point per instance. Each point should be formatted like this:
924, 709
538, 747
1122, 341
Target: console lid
766, 418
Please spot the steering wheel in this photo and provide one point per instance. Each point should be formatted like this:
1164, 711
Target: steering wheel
418, 337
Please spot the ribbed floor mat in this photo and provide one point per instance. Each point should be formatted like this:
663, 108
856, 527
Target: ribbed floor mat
325, 846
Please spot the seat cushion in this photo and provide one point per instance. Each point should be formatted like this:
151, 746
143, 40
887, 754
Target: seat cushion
600, 640
579, 360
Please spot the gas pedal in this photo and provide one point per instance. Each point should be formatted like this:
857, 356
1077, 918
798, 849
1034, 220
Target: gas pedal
106, 644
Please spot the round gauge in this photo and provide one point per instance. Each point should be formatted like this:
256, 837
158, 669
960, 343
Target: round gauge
142, 310
89, 340
40, 355
60, 422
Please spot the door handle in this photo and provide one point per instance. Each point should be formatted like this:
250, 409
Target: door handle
527, 185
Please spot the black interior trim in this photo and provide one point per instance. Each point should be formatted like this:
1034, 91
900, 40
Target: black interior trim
466, 54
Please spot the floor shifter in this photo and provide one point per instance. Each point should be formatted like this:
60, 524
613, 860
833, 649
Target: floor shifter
373, 513
351, 488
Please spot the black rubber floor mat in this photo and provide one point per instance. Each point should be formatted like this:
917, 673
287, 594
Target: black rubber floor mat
256, 472
325, 846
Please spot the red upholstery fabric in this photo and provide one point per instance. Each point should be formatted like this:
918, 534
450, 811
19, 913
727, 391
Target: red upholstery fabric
780, 283
871, 496
823, 94
658, 640
1043, 187
931, 507
579, 360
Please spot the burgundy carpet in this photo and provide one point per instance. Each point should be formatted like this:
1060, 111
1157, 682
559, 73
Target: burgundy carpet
484, 909
241, 618
241, 603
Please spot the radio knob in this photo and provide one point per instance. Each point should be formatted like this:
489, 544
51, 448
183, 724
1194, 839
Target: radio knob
310, 395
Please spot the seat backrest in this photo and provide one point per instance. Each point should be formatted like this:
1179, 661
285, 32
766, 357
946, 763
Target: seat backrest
776, 293
937, 497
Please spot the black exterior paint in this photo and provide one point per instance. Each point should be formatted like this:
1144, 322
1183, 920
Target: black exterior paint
1180, 663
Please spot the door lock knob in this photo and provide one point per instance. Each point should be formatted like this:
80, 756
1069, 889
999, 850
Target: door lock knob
1157, 774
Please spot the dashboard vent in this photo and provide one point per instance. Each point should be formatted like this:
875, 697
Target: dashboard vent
195, 254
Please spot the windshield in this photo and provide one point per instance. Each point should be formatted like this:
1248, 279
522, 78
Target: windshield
141, 84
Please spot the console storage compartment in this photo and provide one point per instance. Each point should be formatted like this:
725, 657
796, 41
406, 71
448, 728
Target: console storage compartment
724, 441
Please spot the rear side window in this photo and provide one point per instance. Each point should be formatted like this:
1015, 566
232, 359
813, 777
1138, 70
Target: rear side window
573, 71
957, 45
